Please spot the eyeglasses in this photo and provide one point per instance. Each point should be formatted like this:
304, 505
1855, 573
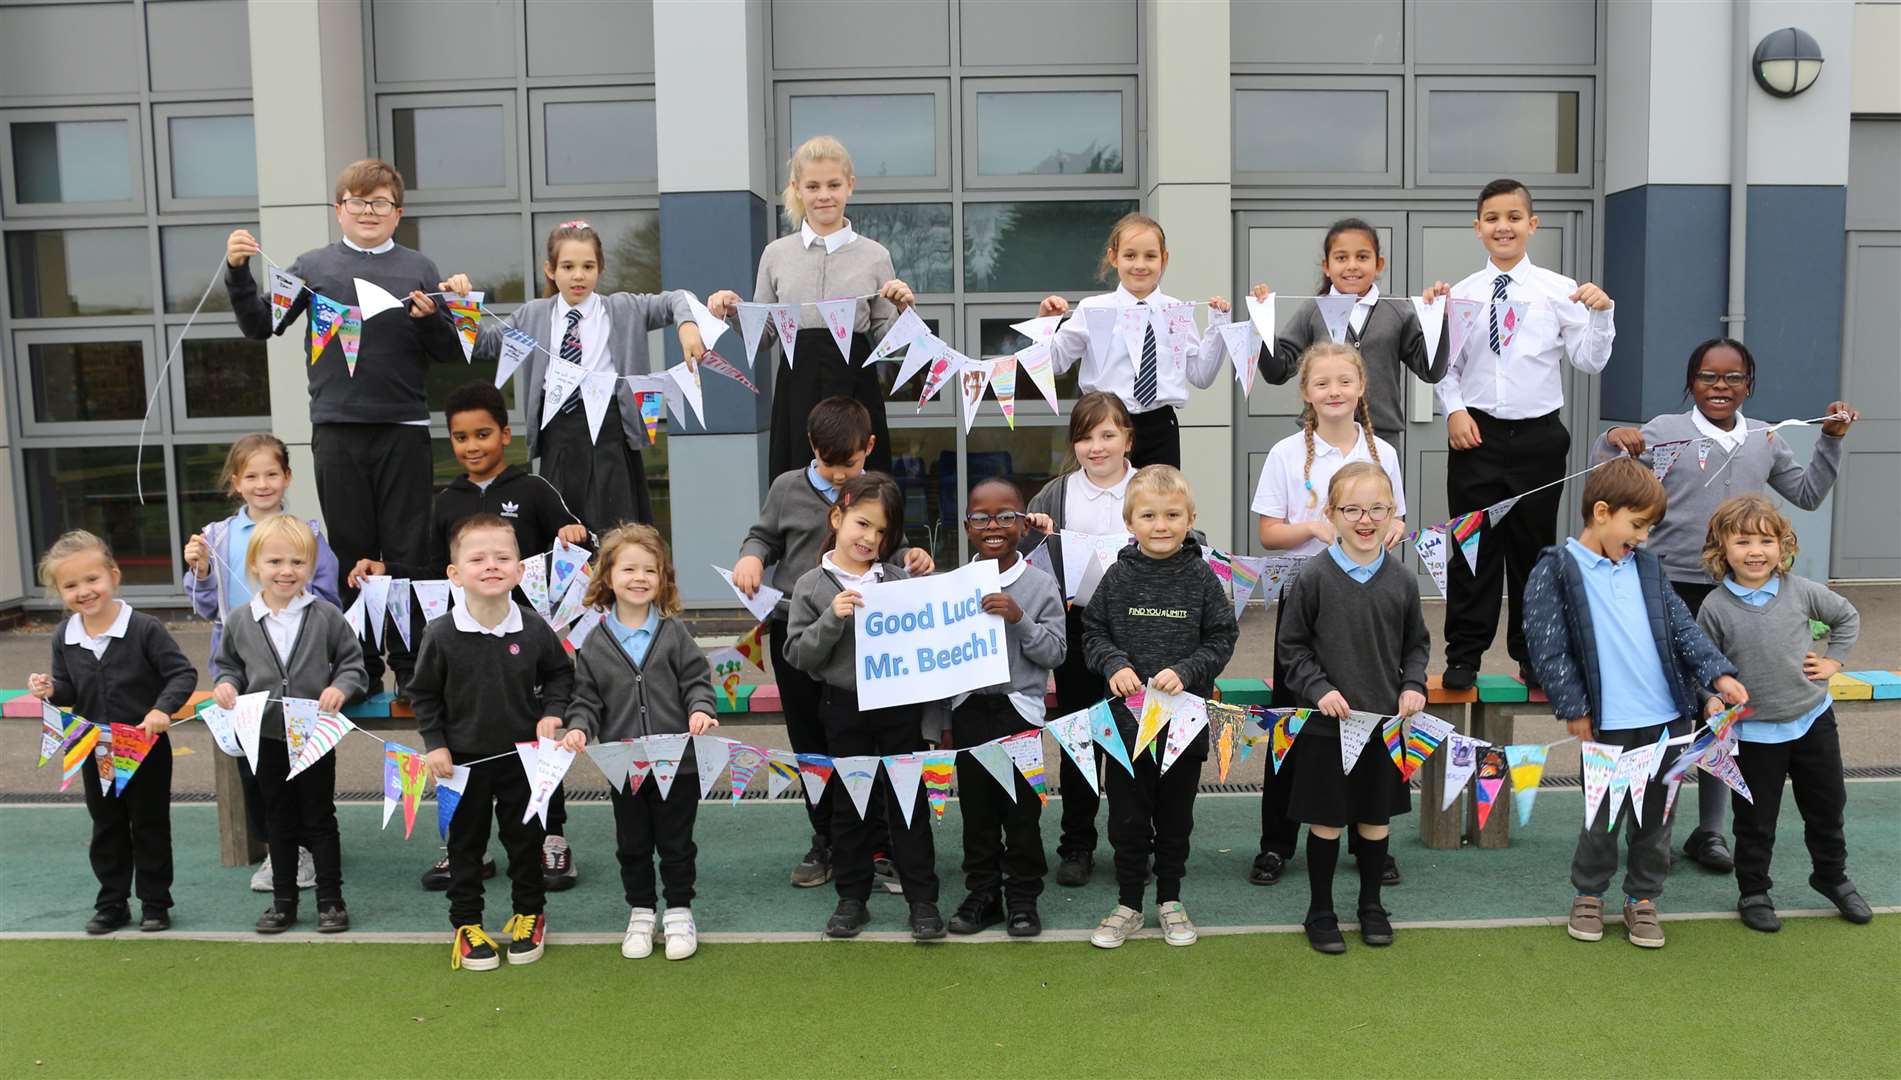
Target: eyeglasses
379, 207
1005, 520
1376, 513
1731, 379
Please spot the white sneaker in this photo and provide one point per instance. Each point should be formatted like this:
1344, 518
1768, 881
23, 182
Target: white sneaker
1116, 928
1176, 929
306, 869
683, 938
261, 877
638, 942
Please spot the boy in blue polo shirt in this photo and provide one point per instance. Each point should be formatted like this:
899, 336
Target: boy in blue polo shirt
1600, 619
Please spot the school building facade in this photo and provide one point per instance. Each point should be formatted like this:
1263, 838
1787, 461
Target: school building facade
995, 142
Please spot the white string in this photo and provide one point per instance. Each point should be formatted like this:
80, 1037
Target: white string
138, 461
809, 303
1768, 429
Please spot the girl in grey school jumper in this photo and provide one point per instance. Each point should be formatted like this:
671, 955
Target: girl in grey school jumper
602, 478
1714, 454
640, 673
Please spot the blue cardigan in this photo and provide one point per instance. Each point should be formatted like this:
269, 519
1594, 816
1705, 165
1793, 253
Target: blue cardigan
1563, 643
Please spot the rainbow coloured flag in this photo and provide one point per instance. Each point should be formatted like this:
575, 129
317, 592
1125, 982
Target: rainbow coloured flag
939, 767
1465, 532
466, 313
1286, 727
78, 753
130, 745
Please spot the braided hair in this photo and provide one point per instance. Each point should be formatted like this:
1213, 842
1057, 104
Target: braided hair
1310, 420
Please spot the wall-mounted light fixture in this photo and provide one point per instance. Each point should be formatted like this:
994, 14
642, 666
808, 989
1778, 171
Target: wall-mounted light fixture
1787, 62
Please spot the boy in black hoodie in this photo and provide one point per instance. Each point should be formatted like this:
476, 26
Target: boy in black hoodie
1159, 617
478, 430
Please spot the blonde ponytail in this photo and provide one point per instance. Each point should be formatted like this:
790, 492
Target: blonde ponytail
815, 149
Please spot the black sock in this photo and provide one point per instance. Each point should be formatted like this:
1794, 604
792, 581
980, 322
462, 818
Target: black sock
1372, 864
1322, 857
1168, 890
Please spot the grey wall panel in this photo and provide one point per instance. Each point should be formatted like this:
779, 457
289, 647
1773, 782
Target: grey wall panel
810, 35
1316, 32
709, 241
1874, 173
421, 39
48, 49
1045, 34
199, 44
1495, 32
587, 37
1650, 234
1794, 296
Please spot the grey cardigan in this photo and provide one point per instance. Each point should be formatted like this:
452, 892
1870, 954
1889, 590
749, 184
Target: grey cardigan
631, 316
325, 653
791, 273
1391, 343
1768, 644
1037, 642
818, 642
615, 699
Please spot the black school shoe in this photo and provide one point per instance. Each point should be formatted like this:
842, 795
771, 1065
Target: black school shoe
1024, 921
1268, 868
1710, 851
436, 878
274, 921
1376, 926
1389, 874
926, 923
333, 920
1323, 933
155, 920
1759, 913
1075, 869
105, 922
847, 919
978, 912
557, 864
1846, 900
1460, 677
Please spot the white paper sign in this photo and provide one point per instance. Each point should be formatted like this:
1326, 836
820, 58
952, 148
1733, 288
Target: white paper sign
927, 639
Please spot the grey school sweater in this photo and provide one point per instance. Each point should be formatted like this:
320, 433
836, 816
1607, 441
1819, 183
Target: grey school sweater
324, 653
1391, 343
478, 694
794, 529
790, 272
818, 642
1368, 641
1763, 462
1767, 644
615, 699
1037, 642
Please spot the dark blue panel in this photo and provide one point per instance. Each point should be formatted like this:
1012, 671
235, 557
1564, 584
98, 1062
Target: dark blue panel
1625, 216
711, 240
1666, 261
1797, 248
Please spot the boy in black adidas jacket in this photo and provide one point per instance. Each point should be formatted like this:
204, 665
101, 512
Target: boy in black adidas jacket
1159, 617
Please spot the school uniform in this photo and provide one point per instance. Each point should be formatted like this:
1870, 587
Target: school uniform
1512, 386
297, 652
631, 682
130, 669
1073, 501
603, 479
1003, 845
477, 692
1153, 384
1390, 340
369, 428
803, 267
824, 646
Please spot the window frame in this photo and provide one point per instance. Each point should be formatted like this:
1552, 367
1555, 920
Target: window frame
1126, 86
32, 427
1393, 86
1424, 87
540, 186
182, 422
506, 99
162, 115
13, 208
939, 91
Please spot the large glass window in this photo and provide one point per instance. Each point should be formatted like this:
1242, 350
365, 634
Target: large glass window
63, 272
1510, 132
225, 377
487, 247
600, 142
462, 147
888, 134
630, 244
212, 157
95, 488
189, 255
87, 380
1297, 131
201, 496
919, 236
73, 161
1049, 133
1037, 246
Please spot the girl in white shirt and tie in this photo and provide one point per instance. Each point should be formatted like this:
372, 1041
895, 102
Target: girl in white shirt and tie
1152, 377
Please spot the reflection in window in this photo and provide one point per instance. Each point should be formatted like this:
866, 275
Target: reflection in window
227, 377
919, 237
189, 256
1502, 131
1310, 131
201, 495
485, 247
450, 147
1036, 247
73, 161
92, 488
61, 272
1032, 455
999, 340
630, 241
1015, 132
887, 134
213, 157
441, 380
87, 380
924, 462
600, 142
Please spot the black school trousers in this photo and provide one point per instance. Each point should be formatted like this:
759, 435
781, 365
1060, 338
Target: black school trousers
496, 795
1152, 815
799, 696
1003, 838
1513, 457
375, 483
131, 846
645, 824
1813, 766
1077, 687
1158, 438
851, 732
300, 811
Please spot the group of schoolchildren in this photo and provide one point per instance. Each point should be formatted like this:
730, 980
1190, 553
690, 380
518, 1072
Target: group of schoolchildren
1674, 595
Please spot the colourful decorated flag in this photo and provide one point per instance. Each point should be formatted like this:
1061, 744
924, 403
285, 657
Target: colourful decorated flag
710, 755
785, 320
728, 669
939, 767
326, 318
650, 402
448, 795
743, 761
1721, 723
937, 372
466, 313
350, 334
1003, 383
752, 646
1664, 455
1431, 546
719, 365
1722, 766
974, 379
1188, 722
1463, 318
1287, 727
321, 735
516, 346
52, 732
564, 562
1072, 734
414, 774
1630, 766
1224, 725
1247, 571
130, 745
102, 758
1026, 751
1465, 532
996, 761
904, 772
78, 754
284, 289
905, 329
1461, 763
1424, 733
1510, 319
665, 752
858, 773
1527, 764
1599, 761
1393, 734
1355, 732
815, 771
782, 771
1035, 362
1487, 794
615, 759
1102, 728
1156, 709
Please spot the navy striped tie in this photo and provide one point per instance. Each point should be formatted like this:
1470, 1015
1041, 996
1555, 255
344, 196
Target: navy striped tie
571, 341
1498, 297
1145, 375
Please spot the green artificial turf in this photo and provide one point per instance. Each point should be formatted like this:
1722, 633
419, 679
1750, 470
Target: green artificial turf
1719, 1000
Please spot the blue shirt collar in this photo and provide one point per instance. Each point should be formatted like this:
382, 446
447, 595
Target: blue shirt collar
1589, 559
819, 483
623, 633
1353, 569
1754, 596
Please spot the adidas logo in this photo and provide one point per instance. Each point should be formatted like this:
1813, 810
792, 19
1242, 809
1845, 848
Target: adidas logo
510, 509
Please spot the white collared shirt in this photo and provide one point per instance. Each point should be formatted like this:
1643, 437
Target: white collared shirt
76, 631
593, 330
1007, 578
379, 249
1095, 510
833, 241
1528, 381
1729, 440
1362, 308
466, 622
849, 580
281, 626
1283, 493
1180, 359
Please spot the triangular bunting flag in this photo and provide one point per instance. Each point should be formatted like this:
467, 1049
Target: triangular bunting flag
728, 669
996, 760
350, 335
710, 755
1102, 728
1630, 766
1599, 761
815, 771
376, 603
1722, 766
1424, 733
466, 313
1132, 328
102, 758
1465, 532
1393, 734
1335, 311
782, 771
392, 780
939, 767
974, 379
1527, 765
1040, 329
1286, 729
248, 723
564, 561
1153, 715
785, 321
448, 796
924, 351
353, 615
743, 760
516, 345
719, 365
665, 752
534, 582
1496, 512
753, 647
326, 318
130, 745
1242, 344
1431, 546
1072, 734
940, 370
1640, 778
1245, 572
399, 608
614, 759
78, 754
1026, 751
1487, 797
1664, 455
432, 597
1432, 322
1188, 722
284, 289
52, 732
649, 404
1511, 316
752, 327
1099, 324
1461, 763
1224, 733
1003, 383
689, 382
1035, 362
375, 300
711, 326
321, 735
562, 379
414, 770
1463, 318
1355, 732
905, 329
858, 773
1261, 314
639, 769
904, 772
596, 393
838, 317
